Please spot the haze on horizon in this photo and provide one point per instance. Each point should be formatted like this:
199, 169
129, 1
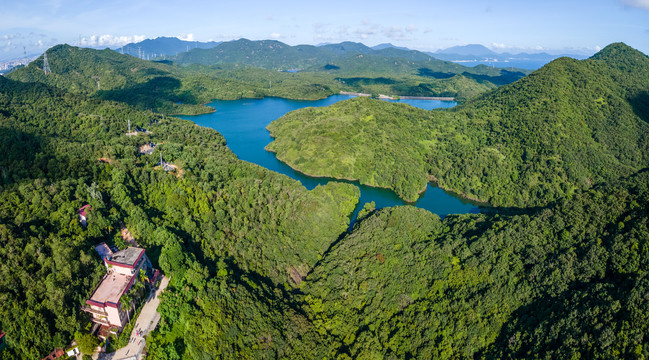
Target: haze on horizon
553, 26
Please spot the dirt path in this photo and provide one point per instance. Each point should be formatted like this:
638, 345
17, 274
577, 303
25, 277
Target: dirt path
127, 236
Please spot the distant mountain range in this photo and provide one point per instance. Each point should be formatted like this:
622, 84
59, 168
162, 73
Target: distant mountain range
479, 54
199, 52
163, 46
276, 55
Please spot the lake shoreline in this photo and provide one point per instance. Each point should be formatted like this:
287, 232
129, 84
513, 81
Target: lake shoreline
399, 97
243, 124
432, 180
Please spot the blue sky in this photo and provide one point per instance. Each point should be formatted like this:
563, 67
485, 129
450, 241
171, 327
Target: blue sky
507, 25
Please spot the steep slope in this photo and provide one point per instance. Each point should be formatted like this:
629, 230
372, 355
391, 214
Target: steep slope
568, 281
566, 126
113, 76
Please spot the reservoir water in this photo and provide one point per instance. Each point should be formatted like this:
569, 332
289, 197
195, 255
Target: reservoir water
243, 124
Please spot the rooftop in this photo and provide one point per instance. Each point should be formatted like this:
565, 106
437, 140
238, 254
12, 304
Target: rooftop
127, 257
103, 250
111, 288
84, 210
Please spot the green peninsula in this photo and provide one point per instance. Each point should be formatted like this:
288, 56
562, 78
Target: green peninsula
359, 139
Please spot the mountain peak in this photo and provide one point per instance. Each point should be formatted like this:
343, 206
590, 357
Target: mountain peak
471, 49
621, 55
388, 45
615, 50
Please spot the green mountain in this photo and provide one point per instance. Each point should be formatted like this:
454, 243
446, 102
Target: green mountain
268, 54
568, 281
113, 76
567, 126
347, 47
415, 72
161, 86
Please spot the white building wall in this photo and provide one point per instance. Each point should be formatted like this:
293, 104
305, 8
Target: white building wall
113, 316
122, 270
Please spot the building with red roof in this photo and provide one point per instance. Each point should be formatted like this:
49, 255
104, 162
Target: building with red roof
83, 214
105, 305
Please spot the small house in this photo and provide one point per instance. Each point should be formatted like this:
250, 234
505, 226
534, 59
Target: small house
83, 214
57, 353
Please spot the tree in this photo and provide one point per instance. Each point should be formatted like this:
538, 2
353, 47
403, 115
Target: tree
87, 343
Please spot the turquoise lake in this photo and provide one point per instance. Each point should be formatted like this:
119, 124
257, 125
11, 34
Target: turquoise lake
243, 124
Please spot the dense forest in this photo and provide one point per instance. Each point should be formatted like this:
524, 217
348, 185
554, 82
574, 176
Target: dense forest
236, 212
567, 126
260, 267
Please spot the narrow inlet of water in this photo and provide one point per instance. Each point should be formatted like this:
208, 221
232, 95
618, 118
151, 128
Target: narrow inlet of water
243, 124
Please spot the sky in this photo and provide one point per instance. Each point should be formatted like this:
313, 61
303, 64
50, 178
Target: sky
555, 26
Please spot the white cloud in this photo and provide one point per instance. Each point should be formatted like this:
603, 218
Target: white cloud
111, 40
275, 36
187, 37
643, 4
13, 36
498, 46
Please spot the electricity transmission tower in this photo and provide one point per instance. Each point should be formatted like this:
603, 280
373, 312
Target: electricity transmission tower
46, 65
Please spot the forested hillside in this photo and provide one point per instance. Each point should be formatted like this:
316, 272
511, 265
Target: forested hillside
64, 150
163, 87
567, 126
567, 281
